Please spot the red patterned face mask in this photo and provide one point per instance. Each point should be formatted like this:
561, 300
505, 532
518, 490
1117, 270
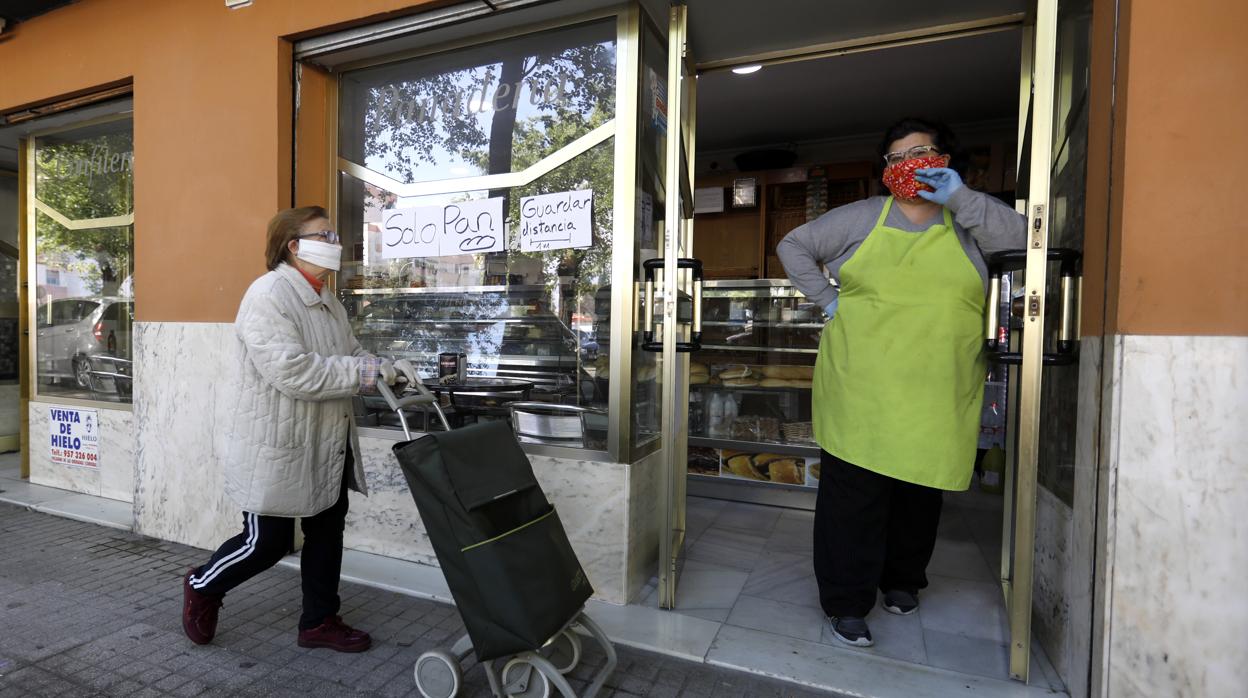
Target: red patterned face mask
900, 179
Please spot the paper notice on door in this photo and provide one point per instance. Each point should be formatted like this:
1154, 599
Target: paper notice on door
556, 221
464, 227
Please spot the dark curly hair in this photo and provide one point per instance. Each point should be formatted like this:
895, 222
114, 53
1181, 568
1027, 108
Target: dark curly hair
942, 138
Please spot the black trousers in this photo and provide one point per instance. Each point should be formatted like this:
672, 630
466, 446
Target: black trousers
871, 532
267, 539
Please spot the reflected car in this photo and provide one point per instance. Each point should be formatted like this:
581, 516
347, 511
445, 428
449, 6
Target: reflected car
71, 331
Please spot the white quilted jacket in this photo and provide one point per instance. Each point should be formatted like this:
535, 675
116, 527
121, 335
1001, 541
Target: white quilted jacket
298, 366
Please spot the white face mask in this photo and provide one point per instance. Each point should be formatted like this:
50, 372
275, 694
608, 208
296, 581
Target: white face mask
322, 254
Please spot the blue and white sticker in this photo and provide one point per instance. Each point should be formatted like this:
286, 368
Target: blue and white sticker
74, 437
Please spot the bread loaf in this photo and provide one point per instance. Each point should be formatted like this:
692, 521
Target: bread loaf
742, 465
786, 470
737, 371
789, 372
767, 466
739, 382
784, 383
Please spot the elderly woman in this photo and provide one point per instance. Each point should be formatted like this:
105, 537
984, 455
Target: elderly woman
292, 450
900, 372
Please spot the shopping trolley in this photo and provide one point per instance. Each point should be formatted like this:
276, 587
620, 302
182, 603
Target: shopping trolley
511, 570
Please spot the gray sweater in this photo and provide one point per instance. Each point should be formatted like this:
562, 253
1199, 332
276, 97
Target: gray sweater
983, 225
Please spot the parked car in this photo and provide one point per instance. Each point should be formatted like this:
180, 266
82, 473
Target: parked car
73, 331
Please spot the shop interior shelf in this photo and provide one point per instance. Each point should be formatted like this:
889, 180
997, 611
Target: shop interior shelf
749, 388
784, 448
778, 350
448, 290
764, 323
497, 359
535, 320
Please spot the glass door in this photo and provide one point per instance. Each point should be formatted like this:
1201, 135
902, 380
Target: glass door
1045, 376
679, 311
10, 312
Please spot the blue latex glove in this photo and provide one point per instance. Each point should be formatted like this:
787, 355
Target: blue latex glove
944, 180
830, 308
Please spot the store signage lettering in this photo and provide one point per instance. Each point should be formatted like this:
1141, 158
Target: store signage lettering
75, 437
556, 221
102, 160
464, 227
486, 96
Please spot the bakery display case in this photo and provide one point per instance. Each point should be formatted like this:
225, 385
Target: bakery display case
750, 386
507, 333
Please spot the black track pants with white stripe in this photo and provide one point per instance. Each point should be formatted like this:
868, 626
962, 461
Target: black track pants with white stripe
267, 539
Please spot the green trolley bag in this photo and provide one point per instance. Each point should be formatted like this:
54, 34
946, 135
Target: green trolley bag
500, 543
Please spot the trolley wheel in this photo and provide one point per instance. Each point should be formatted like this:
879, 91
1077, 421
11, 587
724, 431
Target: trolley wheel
438, 675
521, 679
564, 651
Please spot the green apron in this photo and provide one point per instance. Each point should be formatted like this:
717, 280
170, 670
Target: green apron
899, 382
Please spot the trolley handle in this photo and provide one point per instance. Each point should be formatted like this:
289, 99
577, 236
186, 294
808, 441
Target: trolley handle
419, 398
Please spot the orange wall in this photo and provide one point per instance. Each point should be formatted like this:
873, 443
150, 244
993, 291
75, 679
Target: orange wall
1183, 239
212, 105
1100, 250
213, 146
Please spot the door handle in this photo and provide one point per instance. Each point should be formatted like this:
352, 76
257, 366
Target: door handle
647, 335
1003, 263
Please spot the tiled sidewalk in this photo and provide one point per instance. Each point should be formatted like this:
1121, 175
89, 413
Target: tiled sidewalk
87, 610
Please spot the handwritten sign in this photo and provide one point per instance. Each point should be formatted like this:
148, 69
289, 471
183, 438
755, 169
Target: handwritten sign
75, 437
466, 227
645, 219
556, 221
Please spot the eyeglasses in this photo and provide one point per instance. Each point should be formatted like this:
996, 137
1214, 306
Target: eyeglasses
327, 235
918, 151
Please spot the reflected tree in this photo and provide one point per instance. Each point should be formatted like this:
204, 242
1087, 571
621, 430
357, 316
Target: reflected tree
410, 123
83, 179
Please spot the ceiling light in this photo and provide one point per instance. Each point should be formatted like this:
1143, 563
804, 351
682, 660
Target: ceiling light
747, 69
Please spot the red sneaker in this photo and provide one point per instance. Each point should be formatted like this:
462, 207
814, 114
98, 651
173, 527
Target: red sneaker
199, 612
335, 635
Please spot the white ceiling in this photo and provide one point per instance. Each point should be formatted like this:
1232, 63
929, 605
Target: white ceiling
959, 81
722, 29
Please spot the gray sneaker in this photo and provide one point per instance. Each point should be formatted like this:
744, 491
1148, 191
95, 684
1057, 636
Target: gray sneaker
852, 631
900, 603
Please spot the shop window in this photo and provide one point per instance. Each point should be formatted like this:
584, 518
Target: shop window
439, 158
83, 193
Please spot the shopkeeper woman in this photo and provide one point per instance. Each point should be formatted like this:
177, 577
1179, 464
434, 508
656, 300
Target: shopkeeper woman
899, 379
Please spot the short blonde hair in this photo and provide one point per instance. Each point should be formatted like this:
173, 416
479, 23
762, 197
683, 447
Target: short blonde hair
284, 227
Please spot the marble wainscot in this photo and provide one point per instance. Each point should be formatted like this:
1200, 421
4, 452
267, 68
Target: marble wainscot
606, 509
1178, 545
179, 492
113, 479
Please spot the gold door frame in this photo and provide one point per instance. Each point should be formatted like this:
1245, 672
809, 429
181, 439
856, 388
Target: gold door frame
1019, 598
677, 242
